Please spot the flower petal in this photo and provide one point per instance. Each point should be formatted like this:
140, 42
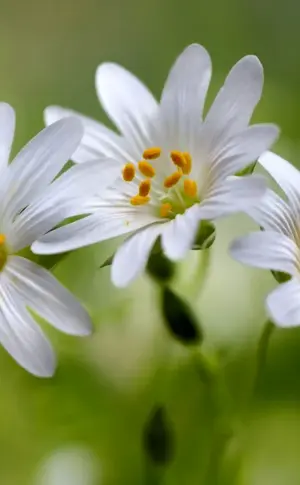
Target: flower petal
66, 197
45, 295
179, 234
283, 304
268, 250
132, 256
7, 130
128, 103
274, 214
39, 162
286, 175
97, 140
104, 224
21, 336
184, 95
243, 149
236, 194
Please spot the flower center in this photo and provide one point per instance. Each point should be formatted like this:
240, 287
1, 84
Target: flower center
175, 193
3, 251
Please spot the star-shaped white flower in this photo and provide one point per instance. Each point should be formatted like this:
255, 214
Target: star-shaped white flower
174, 167
277, 247
30, 205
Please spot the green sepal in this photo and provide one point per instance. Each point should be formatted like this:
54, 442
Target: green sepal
205, 237
247, 171
281, 277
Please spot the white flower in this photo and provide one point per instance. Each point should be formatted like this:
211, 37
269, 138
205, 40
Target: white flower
175, 167
30, 205
277, 247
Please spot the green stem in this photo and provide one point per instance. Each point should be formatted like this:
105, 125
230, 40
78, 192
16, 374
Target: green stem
201, 272
262, 351
154, 474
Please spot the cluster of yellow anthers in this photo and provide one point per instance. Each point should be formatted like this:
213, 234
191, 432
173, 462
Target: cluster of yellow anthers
3, 252
183, 162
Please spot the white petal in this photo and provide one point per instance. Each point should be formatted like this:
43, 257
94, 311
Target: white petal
128, 103
50, 299
97, 140
283, 304
21, 336
132, 256
7, 130
236, 194
179, 234
104, 224
268, 250
243, 149
66, 197
235, 102
184, 95
274, 214
39, 162
286, 175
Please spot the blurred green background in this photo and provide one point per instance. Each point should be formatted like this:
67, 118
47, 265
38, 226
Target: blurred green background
106, 385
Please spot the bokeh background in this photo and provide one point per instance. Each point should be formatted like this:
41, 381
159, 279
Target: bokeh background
106, 385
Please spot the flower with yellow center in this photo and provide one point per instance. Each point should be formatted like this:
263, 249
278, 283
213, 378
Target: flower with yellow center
190, 161
31, 204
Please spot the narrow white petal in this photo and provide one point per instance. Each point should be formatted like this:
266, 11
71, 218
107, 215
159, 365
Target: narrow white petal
236, 194
283, 304
128, 103
132, 256
39, 162
66, 197
274, 214
104, 224
7, 130
268, 250
50, 299
286, 175
97, 140
179, 234
21, 336
184, 95
243, 148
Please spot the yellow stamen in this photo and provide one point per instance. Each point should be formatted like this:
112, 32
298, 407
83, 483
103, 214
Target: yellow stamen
178, 159
139, 200
2, 239
188, 163
152, 153
146, 169
190, 187
165, 209
128, 172
145, 187
172, 179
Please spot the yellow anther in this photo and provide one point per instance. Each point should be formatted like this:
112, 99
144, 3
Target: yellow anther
152, 153
172, 179
165, 209
2, 239
145, 187
128, 172
178, 159
139, 200
188, 163
146, 169
190, 187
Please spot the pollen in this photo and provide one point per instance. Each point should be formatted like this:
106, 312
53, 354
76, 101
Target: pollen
152, 153
172, 179
190, 187
128, 172
188, 163
165, 209
2, 239
178, 159
146, 169
144, 187
139, 200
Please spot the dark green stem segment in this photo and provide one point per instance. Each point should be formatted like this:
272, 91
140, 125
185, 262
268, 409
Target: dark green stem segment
262, 351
